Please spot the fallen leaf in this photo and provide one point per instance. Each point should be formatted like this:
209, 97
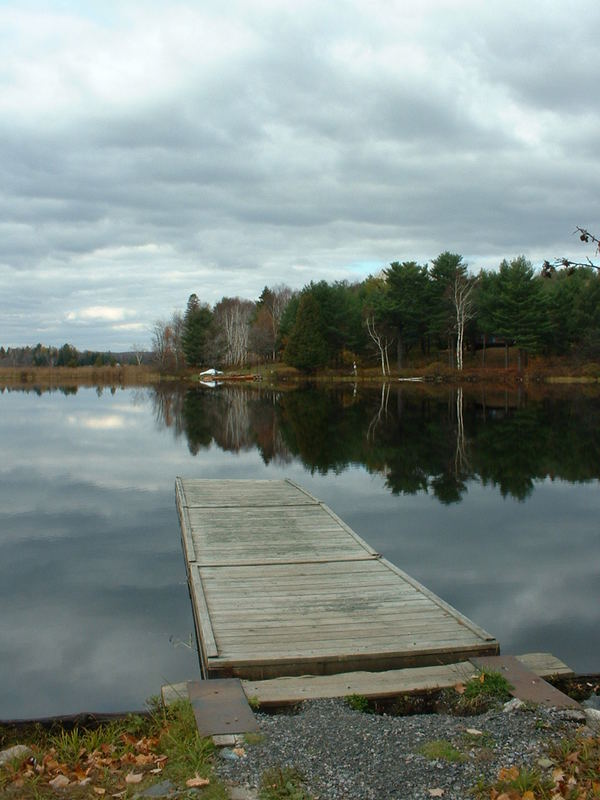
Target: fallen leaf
508, 773
197, 781
156, 771
98, 790
80, 773
134, 777
239, 751
143, 758
558, 775
120, 794
436, 792
59, 782
482, 677
460, 688
474, 732
528, 795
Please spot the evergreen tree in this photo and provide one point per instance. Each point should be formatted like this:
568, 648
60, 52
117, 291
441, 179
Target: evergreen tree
307, 348
196, 326
521, 313
445, 269
408, 303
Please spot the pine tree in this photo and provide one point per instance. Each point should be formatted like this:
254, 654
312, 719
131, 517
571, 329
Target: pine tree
307, 346
196, 326
407, 303
521, 312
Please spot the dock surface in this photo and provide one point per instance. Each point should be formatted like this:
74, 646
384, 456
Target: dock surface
281, 586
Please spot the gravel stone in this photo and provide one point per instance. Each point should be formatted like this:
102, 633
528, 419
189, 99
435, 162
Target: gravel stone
17, 751
348, 755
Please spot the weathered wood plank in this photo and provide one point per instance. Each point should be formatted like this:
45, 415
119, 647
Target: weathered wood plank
375, 685
419, 586
545, 664
203, 621
380, 685
332, 633
390, 683
237, 493
281, 584
184, 520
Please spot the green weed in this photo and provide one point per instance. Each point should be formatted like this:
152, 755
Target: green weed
478, 695
254, 702
188, 753
441, 750
358, 702
282, 783
490, 684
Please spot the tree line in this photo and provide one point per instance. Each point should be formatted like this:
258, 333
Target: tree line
407, 309
66, 356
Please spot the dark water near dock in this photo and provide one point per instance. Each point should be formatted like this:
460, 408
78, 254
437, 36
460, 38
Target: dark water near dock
491, 499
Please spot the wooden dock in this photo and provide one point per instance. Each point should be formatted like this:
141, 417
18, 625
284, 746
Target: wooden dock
281, 586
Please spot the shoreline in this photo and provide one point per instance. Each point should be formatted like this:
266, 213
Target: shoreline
280, 376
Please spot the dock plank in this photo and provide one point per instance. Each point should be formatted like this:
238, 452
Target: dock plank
379, 685
391, 683
281, 585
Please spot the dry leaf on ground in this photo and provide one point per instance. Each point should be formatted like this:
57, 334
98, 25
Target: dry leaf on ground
59, 782
197, 781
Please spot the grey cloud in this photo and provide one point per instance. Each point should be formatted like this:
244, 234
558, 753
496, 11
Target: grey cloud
318, 143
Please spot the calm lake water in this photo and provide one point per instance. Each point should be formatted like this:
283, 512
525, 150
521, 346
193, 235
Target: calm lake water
490, 499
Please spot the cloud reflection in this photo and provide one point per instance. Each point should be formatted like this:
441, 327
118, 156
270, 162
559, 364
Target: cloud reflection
92, 580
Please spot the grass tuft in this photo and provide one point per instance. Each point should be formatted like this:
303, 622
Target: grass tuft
441, 750
282, 783
358, 702
101, 761
490, 684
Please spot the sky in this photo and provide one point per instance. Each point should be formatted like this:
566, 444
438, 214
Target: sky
149, 150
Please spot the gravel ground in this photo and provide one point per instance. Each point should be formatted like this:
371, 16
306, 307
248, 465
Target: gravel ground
348, 755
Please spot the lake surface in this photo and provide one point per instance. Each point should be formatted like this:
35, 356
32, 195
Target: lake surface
491, 499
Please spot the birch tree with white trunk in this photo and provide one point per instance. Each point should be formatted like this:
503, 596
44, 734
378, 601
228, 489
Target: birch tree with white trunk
464, 308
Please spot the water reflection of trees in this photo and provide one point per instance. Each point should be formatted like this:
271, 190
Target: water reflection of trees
233, 418
420, 440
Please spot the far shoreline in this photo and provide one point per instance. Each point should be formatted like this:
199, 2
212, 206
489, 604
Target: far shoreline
540, 372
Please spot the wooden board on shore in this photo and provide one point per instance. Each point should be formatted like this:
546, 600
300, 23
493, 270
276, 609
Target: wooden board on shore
374, 685
280, 585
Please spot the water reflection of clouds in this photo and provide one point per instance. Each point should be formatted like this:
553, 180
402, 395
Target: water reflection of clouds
93, 582
90, 599
100, 422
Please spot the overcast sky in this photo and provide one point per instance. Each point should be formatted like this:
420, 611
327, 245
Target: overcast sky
150, 150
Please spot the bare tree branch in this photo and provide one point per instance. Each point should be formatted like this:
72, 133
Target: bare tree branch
549, 267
